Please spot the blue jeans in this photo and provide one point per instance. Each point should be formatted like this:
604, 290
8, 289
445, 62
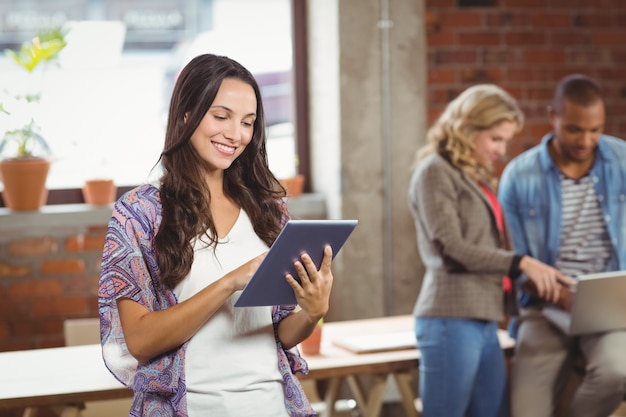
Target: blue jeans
462, 368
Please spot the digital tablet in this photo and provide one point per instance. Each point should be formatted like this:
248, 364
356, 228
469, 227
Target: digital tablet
268, 286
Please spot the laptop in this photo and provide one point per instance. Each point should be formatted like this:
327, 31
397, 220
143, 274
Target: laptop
599, 305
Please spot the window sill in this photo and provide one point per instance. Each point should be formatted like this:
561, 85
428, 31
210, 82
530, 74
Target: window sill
306, 206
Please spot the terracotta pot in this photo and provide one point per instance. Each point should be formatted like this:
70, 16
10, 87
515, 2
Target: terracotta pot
99, 192
294, 185
311, 345
24, 181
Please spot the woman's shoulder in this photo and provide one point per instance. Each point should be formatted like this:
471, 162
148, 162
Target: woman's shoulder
141, 201
434, 165
141, 193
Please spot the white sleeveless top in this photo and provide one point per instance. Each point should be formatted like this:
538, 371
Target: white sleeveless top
231, 363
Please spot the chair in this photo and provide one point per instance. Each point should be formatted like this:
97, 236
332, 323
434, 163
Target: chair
84, 332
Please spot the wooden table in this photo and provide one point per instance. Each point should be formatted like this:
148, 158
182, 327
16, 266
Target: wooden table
67, 377
338, 365
62, 378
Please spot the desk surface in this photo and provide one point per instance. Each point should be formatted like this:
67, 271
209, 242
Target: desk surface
335, 361
56, 376
70, 375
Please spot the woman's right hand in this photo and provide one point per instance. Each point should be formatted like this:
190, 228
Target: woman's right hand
240, 276
546, 279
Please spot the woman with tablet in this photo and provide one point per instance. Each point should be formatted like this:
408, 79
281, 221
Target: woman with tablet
464, 245
178, 253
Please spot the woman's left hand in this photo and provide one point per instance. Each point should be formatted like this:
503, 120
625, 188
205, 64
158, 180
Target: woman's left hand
313, 291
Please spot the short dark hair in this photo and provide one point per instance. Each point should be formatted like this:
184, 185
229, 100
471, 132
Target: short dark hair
576, 88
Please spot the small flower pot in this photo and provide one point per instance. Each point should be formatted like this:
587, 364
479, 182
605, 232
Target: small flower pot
99, 192
294, 185
311, 345
24, 181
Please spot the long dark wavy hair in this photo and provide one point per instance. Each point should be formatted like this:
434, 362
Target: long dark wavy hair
185, 195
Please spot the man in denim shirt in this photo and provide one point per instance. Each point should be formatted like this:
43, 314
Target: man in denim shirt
565, 202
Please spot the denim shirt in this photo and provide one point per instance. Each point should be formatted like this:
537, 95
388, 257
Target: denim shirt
530, 194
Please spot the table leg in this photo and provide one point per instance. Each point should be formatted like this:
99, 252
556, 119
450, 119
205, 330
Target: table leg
372, 405
330, 398
403, 382
30, 412
70, 410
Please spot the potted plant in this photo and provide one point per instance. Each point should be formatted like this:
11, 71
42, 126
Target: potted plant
293, 185
24, 154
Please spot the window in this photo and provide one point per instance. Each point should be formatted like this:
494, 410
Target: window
106, 117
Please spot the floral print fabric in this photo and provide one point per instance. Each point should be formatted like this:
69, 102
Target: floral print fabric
129, 269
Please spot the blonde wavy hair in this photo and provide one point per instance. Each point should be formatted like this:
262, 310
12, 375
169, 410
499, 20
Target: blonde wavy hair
478, 108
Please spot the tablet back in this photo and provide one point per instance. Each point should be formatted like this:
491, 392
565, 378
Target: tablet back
268, 285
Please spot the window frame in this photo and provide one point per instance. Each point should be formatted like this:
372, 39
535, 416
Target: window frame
301, 112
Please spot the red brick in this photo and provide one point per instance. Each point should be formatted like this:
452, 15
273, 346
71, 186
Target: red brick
431, 21
460, 19
480, 38
538, 130
588, 4
595, 20
570, 37
82, 284
60, 306
551, 20
51, 342
23, 328
608, 38
508, 18
83, 243
32, 246
433, 115
47, 327
444, 38
35, 288
524, 38
528, 74
509, 56
454, 57
480, 75
539, 93
11, 308
439, 4
536, 110
441, 76
441, 96
12, 344
60, 266
14, 271
544, 56
590, 56
4, 330
525, 4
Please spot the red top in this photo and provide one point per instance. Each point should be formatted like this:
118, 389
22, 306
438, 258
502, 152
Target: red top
497, 212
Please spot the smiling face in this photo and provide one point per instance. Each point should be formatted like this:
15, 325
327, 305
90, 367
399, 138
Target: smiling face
490, 144
577, 129
226, 128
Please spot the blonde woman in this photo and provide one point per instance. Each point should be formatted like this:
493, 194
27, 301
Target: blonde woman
463, 242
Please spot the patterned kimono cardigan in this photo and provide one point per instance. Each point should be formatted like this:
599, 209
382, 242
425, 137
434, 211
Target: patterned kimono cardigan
129, 269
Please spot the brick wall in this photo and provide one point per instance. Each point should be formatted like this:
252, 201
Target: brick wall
45, 278
526, 46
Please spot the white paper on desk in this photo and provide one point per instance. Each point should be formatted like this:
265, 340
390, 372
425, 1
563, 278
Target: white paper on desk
380, 342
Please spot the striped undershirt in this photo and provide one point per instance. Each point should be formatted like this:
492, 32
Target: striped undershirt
585, 246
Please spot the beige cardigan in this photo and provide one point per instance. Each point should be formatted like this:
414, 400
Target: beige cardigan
459, 243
